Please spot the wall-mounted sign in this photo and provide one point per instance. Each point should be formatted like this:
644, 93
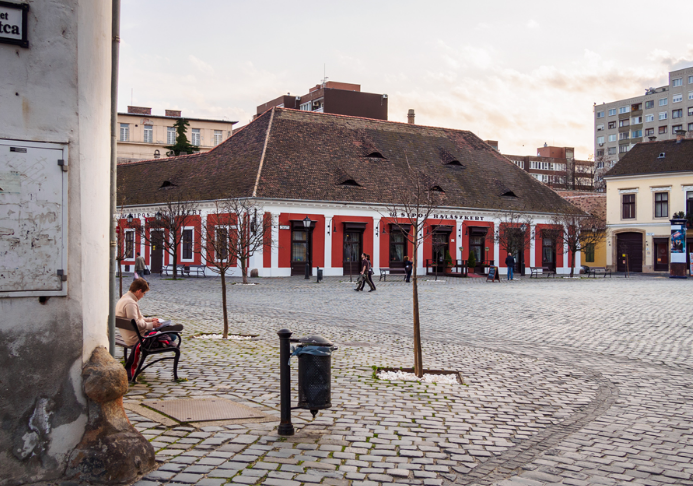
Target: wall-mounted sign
284, 226
13, 20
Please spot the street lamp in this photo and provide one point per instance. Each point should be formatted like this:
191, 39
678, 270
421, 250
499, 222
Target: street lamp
129, 218
306, 224
158, 215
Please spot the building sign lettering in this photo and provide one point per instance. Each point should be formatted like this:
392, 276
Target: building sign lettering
443, 216
13, 23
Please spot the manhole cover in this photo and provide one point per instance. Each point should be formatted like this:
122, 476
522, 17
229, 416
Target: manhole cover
203, 409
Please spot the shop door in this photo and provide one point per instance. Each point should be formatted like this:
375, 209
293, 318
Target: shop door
440, 245
353, 247
548, 254
661, 254
399, 246
519, 262
300, 251
157, 251
629, 244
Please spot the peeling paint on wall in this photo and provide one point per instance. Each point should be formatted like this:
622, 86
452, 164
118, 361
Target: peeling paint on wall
31, 216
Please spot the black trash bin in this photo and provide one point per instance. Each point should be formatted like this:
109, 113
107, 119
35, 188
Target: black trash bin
314, 373
319, 277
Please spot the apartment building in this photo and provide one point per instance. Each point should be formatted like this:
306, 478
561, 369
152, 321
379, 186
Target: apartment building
659, 113
333, 97
556, 167
143, 136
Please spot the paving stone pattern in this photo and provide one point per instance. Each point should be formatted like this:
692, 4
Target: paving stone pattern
565, 382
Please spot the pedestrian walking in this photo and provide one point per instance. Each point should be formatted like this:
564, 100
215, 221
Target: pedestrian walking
363, 277
407, 269
510, 263
139, 267
370, 273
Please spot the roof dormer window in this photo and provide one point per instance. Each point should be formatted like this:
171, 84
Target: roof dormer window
167, 185
437, 189
456, 163
509, 194
350, 182
661, 155
375, 155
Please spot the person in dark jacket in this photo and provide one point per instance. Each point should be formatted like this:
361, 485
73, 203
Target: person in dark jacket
370, 273
364, 278
510, 263
407, 269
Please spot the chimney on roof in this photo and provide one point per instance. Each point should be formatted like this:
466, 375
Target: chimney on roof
493, 144
410, 116
652, 138
680, 135
173, 113
139, 110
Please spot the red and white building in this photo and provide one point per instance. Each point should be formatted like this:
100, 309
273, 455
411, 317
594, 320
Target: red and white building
343, 173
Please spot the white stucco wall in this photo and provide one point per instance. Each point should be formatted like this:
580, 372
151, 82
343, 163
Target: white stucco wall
57, 90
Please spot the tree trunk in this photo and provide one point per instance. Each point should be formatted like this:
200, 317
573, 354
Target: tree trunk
572, 264
418, 355
244, 271
175, 266
223, 303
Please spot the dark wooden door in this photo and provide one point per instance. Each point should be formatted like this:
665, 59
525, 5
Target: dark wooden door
661, 256
300, 251
353, 247
157, 251
440, 244
629, 244
548, 254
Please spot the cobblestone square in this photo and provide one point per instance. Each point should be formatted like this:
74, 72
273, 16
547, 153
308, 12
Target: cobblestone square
566, 381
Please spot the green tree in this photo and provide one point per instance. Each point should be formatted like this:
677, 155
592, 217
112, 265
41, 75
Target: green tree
182, 145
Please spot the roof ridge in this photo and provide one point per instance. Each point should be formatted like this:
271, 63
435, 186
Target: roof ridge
264, 150
377, 120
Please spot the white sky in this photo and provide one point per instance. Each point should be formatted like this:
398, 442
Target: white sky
522, 73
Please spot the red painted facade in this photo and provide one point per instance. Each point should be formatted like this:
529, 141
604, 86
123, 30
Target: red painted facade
338, 237
318, 256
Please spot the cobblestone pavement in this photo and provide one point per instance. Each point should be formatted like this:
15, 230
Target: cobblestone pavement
566, 381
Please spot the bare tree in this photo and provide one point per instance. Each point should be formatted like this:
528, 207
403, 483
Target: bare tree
415, 203
514, 234
579, 232
176, 213
232, 232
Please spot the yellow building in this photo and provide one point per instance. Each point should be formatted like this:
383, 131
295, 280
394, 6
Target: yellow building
644, 190
143, 136
592, 203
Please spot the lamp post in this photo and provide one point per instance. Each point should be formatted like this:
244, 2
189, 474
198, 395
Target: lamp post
521, 250
130, 218
306, 224
157, 216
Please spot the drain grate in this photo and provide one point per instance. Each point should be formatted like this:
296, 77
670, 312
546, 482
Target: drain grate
203, 409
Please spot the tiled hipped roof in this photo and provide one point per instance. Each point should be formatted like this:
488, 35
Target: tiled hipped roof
310, 156
644, 158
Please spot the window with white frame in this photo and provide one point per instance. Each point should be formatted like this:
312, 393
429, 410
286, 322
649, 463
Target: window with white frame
600, 114
307, 106
600, 127
612, 151
612, 138
187, 245
129, 250
663, 101
623, 148
170, 135
148, 134
690, 111
217, 137
649, 104
195, 137
690, 95
690, 79
636, 120
663, 115
623, 136
519, 163
636, 134
677, 82
677, 98
624, 109
624, 123
649, 117
600, 139
612, 111
124, 132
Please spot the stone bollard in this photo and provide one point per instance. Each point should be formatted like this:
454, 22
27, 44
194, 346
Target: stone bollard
111, 451
254, 273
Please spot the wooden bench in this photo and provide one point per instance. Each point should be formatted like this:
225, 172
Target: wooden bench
168, 270
385, 271
536, 271
147, 347
198, 270
598, 270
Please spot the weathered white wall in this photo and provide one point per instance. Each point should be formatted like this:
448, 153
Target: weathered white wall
57, 90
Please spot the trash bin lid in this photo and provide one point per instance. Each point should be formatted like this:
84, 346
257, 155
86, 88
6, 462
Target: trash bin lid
315, 340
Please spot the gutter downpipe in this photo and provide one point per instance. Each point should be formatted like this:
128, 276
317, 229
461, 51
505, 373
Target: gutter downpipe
115, 48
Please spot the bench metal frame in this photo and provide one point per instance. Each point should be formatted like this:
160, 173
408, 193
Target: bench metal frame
146, 348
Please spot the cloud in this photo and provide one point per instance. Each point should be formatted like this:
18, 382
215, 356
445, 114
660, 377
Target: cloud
201, 66
532, 24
